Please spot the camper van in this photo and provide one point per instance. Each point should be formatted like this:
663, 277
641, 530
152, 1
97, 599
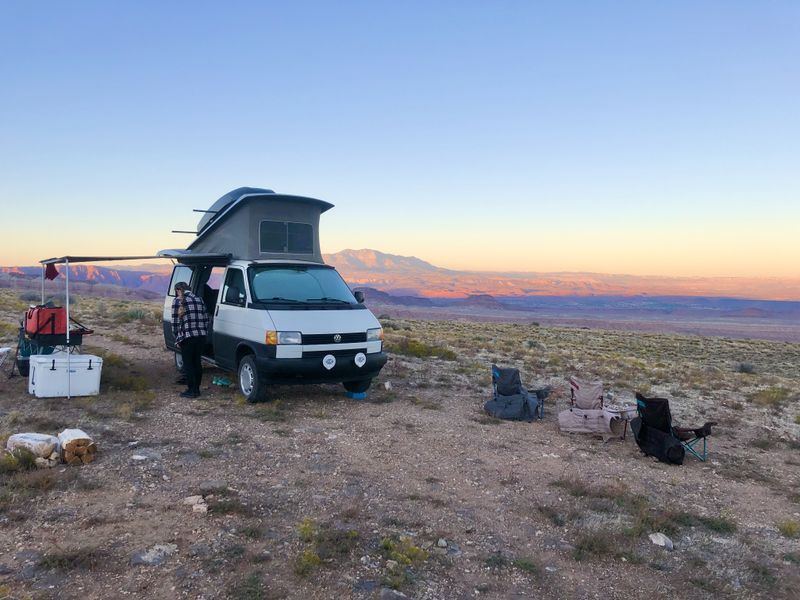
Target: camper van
278, 313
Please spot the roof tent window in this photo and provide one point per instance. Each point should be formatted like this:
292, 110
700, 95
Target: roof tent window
301, 238
279, 236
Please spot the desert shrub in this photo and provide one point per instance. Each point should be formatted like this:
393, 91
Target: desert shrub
789, 528
527, 565
133, 314
745, 367
19, 459
69, 559
412, 347
595, 544
250, 588
771, 397
403, 551
8, 330
325, 544
306, 562
306, 530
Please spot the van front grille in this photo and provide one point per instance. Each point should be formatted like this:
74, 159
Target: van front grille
328, 338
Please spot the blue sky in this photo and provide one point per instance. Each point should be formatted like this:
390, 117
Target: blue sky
638, 137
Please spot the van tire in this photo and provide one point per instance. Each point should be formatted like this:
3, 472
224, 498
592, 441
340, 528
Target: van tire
357, 387
250, 383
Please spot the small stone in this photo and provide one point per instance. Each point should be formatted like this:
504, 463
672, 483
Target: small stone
389, 594
392, 564
199, 550
138, 457
200, 508
193, 500
212, 486
442, 543
153, 556
387, 385
659, 539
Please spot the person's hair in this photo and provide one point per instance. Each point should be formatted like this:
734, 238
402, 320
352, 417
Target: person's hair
181, 285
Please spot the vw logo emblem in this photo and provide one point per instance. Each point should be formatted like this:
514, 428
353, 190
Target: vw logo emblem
337, 338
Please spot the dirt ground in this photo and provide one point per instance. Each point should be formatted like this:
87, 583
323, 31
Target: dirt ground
413, 492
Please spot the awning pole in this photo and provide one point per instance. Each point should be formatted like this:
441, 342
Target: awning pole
42, 302
69, 353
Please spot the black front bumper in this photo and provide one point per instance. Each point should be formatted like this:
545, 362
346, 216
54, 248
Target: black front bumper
310, 370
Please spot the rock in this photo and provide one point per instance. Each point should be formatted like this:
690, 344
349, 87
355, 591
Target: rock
389, 594
212, 486
153, 556
200, 508
366, 586
659, 539
45, 463
201, 550
40, 444
193, 500
392, 564
442, 543
189, 459
387, 385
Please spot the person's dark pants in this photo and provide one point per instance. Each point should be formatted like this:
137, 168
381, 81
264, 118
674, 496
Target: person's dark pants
192, 352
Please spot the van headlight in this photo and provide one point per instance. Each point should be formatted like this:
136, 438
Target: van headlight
375, 335
273, 338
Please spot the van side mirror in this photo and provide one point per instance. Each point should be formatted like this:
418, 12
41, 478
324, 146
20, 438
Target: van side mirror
359, 295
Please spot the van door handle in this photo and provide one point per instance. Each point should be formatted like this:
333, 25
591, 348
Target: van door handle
216, 311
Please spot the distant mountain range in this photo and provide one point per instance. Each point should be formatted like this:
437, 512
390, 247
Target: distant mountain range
408, 276
401, 275
407, 286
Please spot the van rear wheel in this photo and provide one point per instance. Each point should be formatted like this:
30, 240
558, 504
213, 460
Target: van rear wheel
250, 384
357, 387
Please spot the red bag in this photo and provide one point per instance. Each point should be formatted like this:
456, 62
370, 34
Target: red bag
40, 320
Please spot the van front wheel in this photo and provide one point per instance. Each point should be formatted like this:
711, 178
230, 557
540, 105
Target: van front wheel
357, 387
250, 384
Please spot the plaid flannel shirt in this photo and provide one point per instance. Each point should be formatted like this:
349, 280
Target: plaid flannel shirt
194, 323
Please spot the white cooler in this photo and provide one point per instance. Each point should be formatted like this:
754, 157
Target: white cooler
48, 376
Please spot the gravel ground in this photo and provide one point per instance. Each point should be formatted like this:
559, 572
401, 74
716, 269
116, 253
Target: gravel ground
413, 493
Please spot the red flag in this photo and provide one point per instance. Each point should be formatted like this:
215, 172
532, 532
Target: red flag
50, 272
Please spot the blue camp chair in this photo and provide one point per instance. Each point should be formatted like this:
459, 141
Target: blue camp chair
657, 437
510, 398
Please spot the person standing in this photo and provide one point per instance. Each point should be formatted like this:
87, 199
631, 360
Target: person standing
190, 328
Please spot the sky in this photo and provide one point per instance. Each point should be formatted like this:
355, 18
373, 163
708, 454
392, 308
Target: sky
648, 138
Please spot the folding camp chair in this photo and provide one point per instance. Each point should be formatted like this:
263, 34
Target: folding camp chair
585, 413
656, 435
4, 354
510, 398
587, 395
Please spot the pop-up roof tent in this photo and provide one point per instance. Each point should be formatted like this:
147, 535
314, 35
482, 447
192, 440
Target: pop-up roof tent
255, 223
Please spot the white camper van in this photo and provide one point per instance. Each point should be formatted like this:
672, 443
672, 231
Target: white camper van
278, 313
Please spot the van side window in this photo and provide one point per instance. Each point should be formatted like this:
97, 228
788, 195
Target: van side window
179, 273
282, 237
233, 292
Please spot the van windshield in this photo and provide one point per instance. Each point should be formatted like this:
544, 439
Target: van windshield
299, 283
